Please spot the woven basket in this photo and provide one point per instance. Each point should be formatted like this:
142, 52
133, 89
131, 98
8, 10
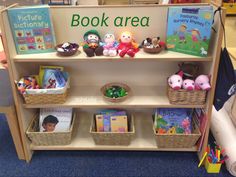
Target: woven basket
184, 97
115, 100
178, 140
43, 98
113, 138
48, 138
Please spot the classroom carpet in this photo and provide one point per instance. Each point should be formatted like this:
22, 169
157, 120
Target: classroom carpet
98, 163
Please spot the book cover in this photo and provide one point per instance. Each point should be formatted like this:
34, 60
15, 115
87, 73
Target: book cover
119, 124
55, 119
202, 121
173, 121
189, 29
99, 123
32, 29
106, 123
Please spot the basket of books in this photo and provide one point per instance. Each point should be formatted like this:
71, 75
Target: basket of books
51, 128
185, 97
49, 87
173, 129
112, 129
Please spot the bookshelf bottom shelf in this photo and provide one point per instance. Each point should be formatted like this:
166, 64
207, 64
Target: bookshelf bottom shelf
144, 139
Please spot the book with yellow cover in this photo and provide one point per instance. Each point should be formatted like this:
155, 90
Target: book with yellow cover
119, 124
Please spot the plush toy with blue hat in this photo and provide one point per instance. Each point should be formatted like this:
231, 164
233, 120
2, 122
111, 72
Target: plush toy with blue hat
91, 44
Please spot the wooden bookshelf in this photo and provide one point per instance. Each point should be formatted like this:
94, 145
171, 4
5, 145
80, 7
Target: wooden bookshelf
146, 74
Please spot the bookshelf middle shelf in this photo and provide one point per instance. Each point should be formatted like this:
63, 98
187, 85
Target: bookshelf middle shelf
140, 96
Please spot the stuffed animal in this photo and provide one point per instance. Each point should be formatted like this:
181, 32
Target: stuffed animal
175, 81
146, 42
127, 45
91, 45
109, 45
190, 70
156, 42
188, 84
202, 82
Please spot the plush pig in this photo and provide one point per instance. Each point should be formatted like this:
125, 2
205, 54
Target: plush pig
175, 81
188, 84
202, 82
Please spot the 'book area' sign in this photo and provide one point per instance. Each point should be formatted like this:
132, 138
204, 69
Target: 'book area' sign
104, 21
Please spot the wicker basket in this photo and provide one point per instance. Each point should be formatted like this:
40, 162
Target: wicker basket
178, 140
115, 100
48, 138
184, 97
43, 98
113, 138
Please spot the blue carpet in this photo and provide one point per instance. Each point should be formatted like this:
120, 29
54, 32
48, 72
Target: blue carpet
97, 163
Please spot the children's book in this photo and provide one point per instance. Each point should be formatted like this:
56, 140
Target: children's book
111, 121
201, 120
173, 121
55, 119
32, 29
189, 29
119, 123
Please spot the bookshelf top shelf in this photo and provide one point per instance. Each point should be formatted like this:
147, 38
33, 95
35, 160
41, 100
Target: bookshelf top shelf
141, 55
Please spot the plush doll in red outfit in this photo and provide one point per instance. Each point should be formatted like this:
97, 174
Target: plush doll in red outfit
127, 45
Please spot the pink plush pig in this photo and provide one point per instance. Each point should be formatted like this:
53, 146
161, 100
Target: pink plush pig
175, 81
202, 82
188, 84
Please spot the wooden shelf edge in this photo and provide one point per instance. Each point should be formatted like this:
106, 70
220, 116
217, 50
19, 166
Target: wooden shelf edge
112, 148
140, 56
111, 106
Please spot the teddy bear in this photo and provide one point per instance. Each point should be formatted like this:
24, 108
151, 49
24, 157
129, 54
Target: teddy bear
91, 45
127, 45
191, 70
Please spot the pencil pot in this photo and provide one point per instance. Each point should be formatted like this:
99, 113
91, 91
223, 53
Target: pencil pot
212, 167
113, 138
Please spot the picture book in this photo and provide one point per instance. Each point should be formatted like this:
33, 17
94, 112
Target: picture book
32, 29
201, 120
111, 120
99, 123
55, 119
119, 123
106, 123
189, 29
173, 121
